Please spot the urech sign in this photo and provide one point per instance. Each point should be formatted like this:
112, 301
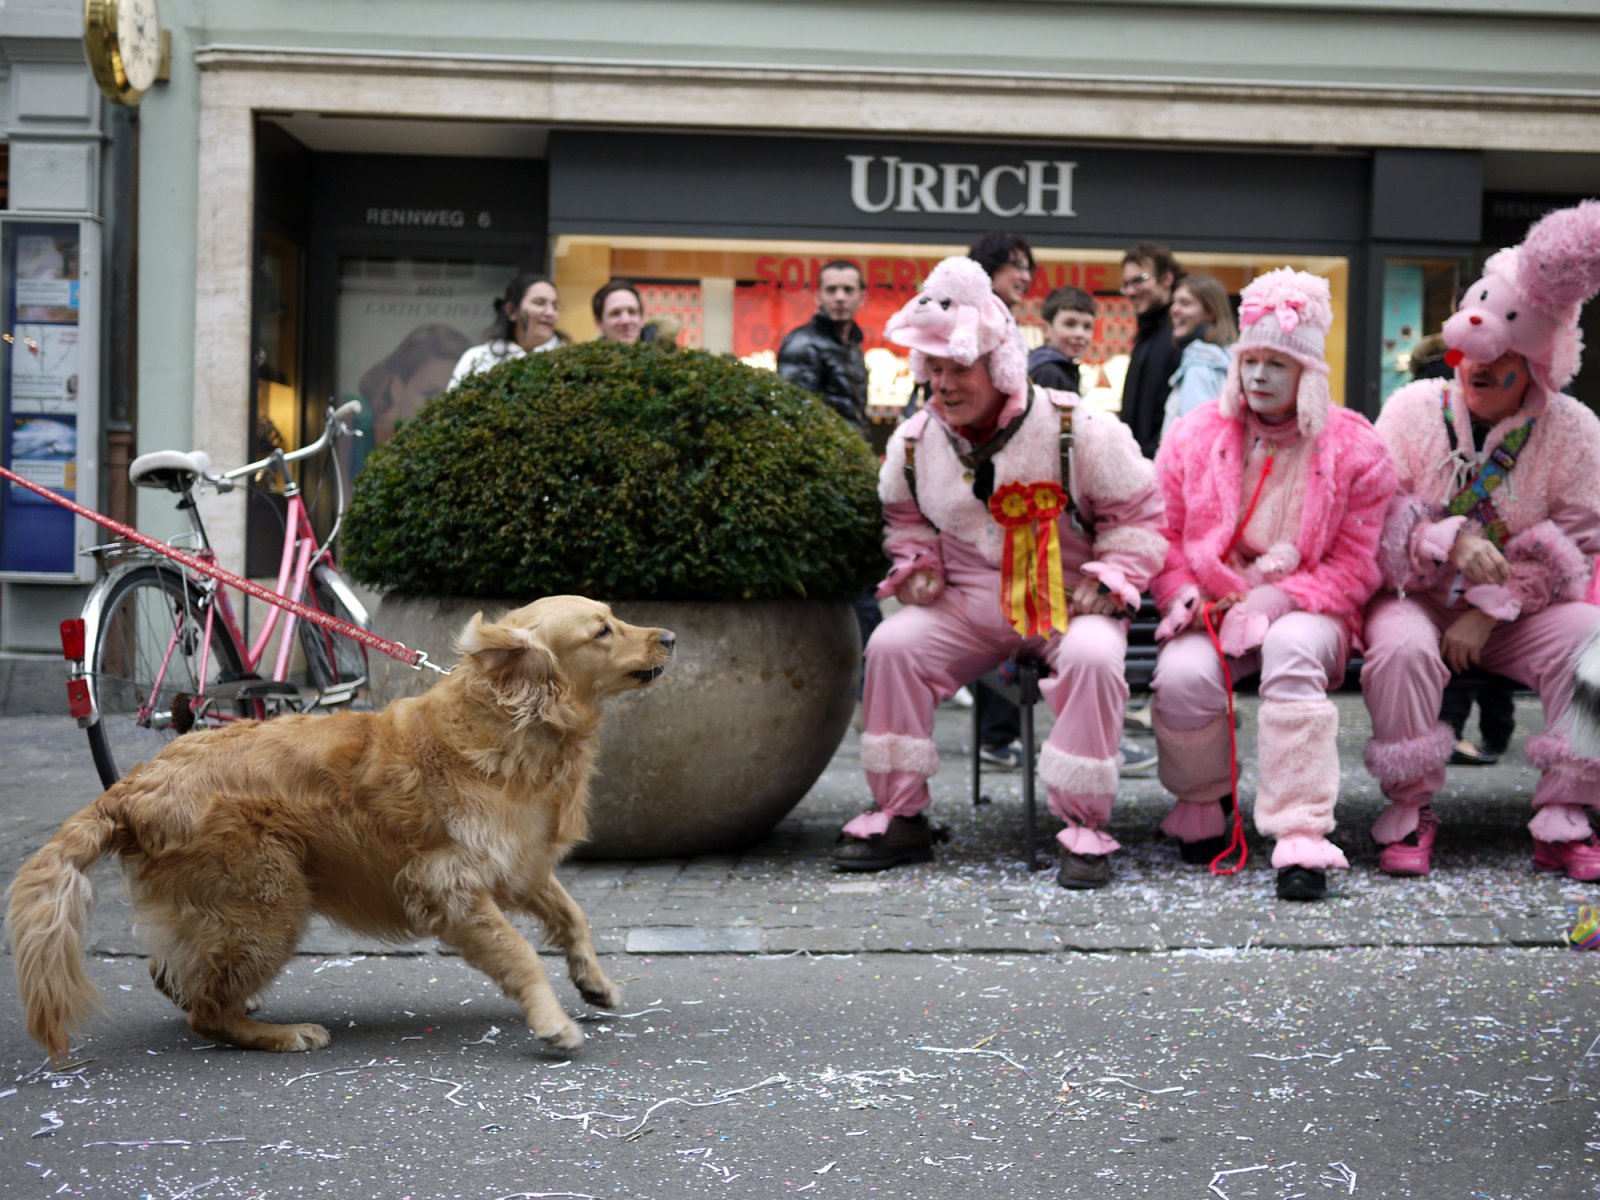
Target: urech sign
1032, 188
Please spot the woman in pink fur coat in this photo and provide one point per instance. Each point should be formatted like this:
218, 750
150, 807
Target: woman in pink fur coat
1275, 501
986, 439
1488, 551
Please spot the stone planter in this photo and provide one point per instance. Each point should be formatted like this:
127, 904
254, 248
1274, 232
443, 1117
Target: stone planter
721, 748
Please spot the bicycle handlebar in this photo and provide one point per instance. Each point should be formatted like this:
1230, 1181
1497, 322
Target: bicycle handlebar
336, 426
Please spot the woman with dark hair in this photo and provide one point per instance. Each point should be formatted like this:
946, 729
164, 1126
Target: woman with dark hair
618, 311
524, 323
1202, 328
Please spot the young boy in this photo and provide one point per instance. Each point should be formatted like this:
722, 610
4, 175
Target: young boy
1069, 312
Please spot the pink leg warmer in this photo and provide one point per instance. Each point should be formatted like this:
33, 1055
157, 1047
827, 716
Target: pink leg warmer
1567, 780
1409, 771
1299, 758
1081, 791
1196, 769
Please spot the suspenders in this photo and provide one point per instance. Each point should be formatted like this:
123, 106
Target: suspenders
1064, 440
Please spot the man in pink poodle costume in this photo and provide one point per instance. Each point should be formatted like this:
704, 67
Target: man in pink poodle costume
1275, 501
1489, 548
987, 447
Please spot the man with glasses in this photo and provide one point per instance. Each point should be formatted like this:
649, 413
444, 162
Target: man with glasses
1149, 273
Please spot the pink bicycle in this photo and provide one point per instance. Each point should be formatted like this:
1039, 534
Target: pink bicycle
163, 651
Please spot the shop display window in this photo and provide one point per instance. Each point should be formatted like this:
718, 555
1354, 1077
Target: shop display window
403, 324
749, 294
1418, 295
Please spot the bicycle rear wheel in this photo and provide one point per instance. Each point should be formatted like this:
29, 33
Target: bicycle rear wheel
152, 614
336, 665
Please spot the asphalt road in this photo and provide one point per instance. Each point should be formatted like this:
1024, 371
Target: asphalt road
960, 1028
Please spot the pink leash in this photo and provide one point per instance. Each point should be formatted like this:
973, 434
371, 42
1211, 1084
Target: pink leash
1236, 842
415, 659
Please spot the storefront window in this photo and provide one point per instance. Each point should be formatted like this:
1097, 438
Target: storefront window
1418, 295
277, 316
752, 293
403, 323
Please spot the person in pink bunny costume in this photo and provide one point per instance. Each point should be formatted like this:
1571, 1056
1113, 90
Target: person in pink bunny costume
1275, 501
1489, 549
987, 449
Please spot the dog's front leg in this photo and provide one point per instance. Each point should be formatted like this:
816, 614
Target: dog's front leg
568, 928
487, 941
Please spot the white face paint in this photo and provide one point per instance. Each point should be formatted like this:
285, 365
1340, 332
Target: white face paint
1271, 382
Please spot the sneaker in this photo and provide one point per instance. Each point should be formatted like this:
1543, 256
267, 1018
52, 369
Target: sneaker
1302, 883
907, 840
1136, 760
1080, 872
1204, 852
1003, 758
1413, 854
1580, 860
1140, 718
962, 697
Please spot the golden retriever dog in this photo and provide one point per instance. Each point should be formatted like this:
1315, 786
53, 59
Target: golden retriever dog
434, 816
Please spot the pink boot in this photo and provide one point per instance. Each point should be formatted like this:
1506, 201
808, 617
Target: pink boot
1579, 860
1412, 854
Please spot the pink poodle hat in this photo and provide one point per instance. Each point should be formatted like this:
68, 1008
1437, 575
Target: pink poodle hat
957, 315
1290, 312
1530, 296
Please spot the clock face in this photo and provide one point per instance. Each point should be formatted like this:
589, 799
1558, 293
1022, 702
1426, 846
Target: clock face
139, 42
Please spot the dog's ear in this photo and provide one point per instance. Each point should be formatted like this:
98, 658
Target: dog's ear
501, 650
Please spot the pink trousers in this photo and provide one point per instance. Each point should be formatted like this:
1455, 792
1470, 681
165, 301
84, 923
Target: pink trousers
1403, 681
1304, 654
921, 655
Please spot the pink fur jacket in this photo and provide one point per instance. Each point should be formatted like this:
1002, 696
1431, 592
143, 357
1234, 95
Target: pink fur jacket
1550, 502
1112, 488
1332, 567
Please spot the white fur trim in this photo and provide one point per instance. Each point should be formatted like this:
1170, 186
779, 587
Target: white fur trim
885, 752
1063, 772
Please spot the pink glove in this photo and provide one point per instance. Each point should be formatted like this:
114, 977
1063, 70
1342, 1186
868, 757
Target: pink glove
1180, 613
1244, 626
1115, 581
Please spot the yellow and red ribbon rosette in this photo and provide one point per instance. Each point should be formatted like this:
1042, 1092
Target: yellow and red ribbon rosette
1032, 594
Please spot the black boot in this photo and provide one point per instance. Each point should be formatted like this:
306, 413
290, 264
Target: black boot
1080, 872
1302, 883
907, 840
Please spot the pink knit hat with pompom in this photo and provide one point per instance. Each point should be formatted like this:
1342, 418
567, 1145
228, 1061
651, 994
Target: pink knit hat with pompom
1530, 296
1289, 312
956, 315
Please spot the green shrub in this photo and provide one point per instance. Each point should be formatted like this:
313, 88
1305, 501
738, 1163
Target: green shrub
620, 472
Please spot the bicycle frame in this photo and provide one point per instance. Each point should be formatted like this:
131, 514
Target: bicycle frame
301, 554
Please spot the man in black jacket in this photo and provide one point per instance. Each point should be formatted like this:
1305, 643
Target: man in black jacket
824, 355
1149, 273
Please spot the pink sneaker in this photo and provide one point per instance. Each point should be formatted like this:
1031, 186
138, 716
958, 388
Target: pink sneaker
1413, 854
1580, 860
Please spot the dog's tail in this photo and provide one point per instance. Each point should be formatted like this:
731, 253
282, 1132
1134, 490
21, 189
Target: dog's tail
1584, 735
47, 909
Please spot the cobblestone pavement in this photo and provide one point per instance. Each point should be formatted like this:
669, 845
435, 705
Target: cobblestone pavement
781, 897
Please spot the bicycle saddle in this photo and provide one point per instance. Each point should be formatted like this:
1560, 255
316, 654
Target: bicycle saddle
171, 469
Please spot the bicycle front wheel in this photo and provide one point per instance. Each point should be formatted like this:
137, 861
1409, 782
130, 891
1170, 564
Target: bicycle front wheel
147, 667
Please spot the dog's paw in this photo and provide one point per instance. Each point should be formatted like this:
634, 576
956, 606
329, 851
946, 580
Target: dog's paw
303, 1037
599, 991
566, 1036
